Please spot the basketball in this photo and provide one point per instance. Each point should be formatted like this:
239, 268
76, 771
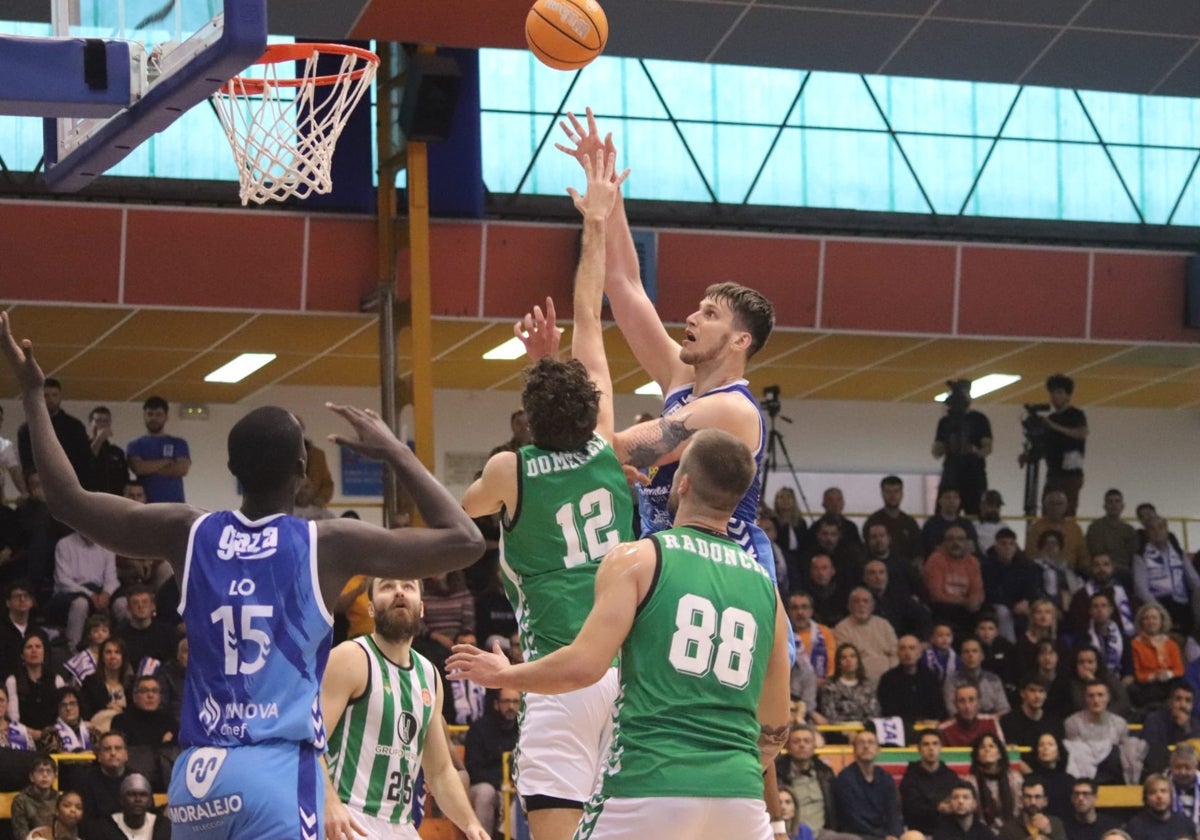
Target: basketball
566, 34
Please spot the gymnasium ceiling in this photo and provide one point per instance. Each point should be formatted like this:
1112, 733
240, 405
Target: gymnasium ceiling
116, 353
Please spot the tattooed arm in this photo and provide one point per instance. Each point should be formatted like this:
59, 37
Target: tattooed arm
662, 441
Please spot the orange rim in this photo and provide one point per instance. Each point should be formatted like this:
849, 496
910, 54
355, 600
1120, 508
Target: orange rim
278, 53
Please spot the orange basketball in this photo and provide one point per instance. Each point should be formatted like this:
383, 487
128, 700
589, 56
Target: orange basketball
566, 34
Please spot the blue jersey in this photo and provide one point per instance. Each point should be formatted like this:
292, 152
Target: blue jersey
258, 632
652, 500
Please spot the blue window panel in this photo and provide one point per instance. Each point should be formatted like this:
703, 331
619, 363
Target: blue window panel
21, 142
1048, 114
1034, 180
838, 169
946, 167
1145, 120
510, 141
507, 81
719, 93
836, 100
192, 147
611, 86
661, 167
937, 106
729, 156
1155, 177
1189, 206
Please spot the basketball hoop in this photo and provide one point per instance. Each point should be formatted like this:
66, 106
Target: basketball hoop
282, 133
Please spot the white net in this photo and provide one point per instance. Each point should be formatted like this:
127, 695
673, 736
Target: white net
283, 130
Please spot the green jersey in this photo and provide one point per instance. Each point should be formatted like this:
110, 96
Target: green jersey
572, 509
375, 749
692, 669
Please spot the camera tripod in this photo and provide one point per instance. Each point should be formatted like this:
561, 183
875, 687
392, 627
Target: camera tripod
776, 445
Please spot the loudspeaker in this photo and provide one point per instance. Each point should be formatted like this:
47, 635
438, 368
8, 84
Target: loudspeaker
430, 97
1191, 296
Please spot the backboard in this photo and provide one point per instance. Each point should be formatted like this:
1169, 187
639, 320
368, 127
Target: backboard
181, 52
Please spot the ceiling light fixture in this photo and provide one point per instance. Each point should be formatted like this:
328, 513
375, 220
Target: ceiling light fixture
240, 368
509, 350
985, 385
650, 389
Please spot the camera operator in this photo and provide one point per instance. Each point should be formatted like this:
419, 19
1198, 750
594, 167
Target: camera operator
963, 440
1066, 431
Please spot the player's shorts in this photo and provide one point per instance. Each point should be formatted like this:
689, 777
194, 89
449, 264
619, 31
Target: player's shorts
564, 739
270, 791
381, 829
693, 817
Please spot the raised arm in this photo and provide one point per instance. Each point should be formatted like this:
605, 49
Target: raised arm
443, 778
348, 546
662, 441
587, 340
119, 524
774, 704
496, 488
653, 347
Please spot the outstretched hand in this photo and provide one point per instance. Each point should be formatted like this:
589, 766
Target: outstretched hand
539, 332
585, 142
468, 662
20, 358
340, 823
374, 438
603, 185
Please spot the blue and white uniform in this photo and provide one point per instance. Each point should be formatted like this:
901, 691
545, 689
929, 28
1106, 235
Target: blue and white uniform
259, 637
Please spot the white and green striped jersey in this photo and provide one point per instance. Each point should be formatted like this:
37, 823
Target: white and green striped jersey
375, 749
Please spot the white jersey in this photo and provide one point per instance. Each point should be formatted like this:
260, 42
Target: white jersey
375, 749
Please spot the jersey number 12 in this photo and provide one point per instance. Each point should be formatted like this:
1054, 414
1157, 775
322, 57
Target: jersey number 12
601, 537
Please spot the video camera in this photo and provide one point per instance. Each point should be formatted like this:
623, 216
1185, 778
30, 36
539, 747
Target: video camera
770, 401
1033, 424
959, 396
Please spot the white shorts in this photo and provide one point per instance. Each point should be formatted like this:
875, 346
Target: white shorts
564, 739
380, 829
671, 817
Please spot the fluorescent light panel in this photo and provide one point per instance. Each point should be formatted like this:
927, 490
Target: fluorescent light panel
650, 389
509, 350
240, 368
985, 385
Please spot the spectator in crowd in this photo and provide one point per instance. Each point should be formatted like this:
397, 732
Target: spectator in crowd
487, 741
791, 531
961, 820
810, 780
949, 514
904, 531
910, 691
767, 524
146, 723
989, 523
154, 572
100, 783
1162, 575
996, 783
1157, 659
108, 688
967, 725
32, 686
171, 677
69, 431
940, 657
1100, 579
833, 502
999, 653
787, 813
1056, 518
35, 805
85, 578
1147, 513
1084, 666
68, 814
1105, 634
13, 558
954, 582
992, 698
1064, 441
827, 588
147, 644
1085, 822
1042, 627
813, 639
871, 635
1033, 820
13, 735
829, 538
96, 631
848, 696
1113, 536
449, 607
1166, 728
1157, 820
16, 625
1100, 732
1045, 669
1011, 582
35, 561
1059, 580
1185, 783
521, 435
109, 468
1027, 723
927, 785
10, 469
802, 684
868, 803
160, 460
1048, 765
894, 601
963, 441
70, 732
136, 818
